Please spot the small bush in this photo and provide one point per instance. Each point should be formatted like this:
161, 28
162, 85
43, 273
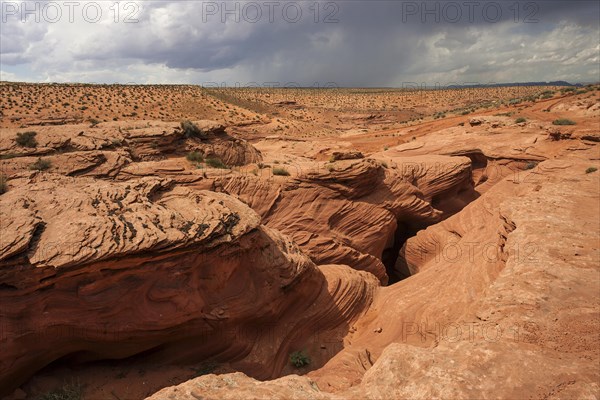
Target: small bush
590, 170
205, 368
26, 139
40, 165
299, 359
69, 391
563, 121
195, 156
3, 185
94, 122
520, 120
190, 129
531, 165
280, 172
215, 163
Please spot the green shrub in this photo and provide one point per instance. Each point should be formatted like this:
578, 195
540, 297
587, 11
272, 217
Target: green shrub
26, 139
215, 163
40, 165
190, 129
520, 120
69, 391
280, 172
563, 121
195, 156
590, 170
531, 165
3, 185
205, 368
299, 359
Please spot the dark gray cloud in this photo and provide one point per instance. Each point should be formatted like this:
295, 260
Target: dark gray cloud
351, 43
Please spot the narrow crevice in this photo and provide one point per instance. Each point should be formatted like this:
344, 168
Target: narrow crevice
449, 202
404, 231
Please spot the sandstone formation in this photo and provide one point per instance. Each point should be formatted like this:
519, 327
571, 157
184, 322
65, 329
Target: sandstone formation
455, 257
110, 270
475, 313
324, 207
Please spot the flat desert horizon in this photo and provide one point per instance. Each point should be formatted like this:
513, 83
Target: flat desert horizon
299, 200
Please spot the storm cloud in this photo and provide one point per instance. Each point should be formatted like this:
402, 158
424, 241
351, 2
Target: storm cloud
342, 43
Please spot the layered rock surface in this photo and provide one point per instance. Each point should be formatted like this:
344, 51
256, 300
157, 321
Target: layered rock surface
104, 150
125, 248
109, 270
477, 316
350, 212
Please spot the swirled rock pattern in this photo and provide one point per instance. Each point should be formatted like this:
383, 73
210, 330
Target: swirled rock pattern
324, 208
506, 290
108, 270
120, 245
477, 314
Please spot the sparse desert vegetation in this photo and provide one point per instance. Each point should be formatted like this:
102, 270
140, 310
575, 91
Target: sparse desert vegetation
299, 359
68, 391
215, 163
26, 139
3, 184
280, 172
41, 165
563, 121
195, 156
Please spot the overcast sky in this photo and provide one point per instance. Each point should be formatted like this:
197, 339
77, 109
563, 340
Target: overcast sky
343, 43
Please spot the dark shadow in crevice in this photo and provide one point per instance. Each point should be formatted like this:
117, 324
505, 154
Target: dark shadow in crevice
404, 231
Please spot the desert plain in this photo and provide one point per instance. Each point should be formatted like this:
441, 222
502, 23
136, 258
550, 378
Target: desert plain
179, 242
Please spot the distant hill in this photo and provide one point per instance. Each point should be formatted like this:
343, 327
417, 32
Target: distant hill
553, 83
